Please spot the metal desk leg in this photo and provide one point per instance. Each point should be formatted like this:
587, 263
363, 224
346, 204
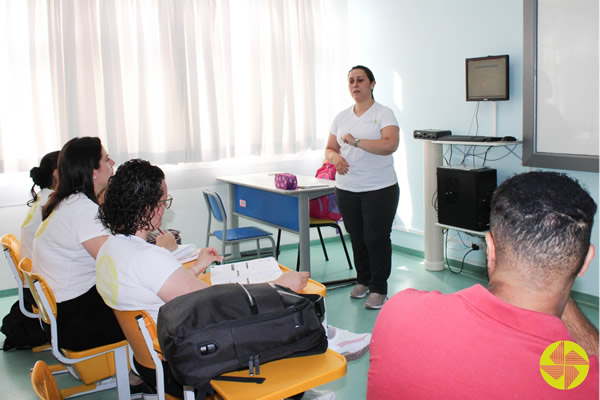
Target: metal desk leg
234, 221
304, 232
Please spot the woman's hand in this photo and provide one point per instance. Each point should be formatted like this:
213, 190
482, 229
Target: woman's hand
293, 280
341, 165
167, 240
207, 256
348, 139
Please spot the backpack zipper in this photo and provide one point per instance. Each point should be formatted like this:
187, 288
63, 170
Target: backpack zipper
254, 365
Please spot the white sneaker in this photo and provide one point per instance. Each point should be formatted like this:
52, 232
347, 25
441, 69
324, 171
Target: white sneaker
351, 345
314, 394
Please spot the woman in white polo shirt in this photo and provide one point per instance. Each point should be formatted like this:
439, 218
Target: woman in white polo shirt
44, 177
362, 140
66, 244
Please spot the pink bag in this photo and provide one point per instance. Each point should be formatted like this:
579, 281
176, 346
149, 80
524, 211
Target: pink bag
286, 181
325, 207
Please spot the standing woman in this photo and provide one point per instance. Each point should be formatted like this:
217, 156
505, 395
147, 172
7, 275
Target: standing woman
44, 177
360, 145
67, 242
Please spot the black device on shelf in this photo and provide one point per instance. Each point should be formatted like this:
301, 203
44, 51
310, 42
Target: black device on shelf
467, 138
464, 197
431, 134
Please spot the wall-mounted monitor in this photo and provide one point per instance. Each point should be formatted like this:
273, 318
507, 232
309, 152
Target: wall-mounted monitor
487, 78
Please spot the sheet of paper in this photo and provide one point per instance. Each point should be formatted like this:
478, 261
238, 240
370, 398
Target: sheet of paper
253, 271
186, 252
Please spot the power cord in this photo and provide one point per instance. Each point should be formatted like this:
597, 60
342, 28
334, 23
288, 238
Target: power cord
474, 247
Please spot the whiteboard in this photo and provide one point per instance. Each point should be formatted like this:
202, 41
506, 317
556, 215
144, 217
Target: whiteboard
560, 93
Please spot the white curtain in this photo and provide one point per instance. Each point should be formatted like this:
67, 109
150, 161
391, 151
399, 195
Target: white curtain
171, 81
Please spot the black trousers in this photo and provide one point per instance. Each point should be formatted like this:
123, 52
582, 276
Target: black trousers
368, 218
86, 322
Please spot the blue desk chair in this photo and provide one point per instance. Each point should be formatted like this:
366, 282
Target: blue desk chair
235, 235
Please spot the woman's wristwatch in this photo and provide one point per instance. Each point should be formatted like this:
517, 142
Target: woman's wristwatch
356, 142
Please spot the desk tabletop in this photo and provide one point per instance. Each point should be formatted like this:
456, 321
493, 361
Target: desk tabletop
312, 287
266, 181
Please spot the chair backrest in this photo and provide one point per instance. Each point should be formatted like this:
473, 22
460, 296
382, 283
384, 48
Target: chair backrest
43, 382
129, 325
140, 330
48, 308
215, 205
11, 250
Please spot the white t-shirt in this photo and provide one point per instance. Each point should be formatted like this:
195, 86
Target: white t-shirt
31, 223
130, 273
367, 171
58, 252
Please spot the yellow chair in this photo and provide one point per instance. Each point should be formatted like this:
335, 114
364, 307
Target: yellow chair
43, 382
11, 251
95, 367
283, 378
140, 330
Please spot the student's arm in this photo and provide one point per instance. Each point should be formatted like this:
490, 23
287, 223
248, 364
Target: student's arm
94, 244
582, 330
182, 281
390, 138
332, 154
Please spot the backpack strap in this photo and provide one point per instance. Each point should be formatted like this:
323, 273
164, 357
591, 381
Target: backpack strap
244, 379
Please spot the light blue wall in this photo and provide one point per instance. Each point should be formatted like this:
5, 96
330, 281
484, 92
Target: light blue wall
417, 51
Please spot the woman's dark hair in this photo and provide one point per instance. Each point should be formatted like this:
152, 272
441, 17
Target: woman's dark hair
78, 159
369, 74
131, 198
43, 176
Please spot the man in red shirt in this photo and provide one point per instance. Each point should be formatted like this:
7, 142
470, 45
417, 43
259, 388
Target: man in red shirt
488, 343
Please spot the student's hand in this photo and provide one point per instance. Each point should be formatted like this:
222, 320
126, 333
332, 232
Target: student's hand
293, 280
207, 256
167, 240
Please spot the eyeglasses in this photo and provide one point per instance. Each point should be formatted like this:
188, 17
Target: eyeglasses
166, 203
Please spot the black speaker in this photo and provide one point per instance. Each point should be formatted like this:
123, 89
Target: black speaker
464, 197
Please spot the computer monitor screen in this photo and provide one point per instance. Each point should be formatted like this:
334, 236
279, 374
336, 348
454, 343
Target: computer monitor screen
487, 78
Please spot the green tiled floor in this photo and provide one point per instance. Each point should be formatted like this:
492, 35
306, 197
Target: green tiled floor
408, 272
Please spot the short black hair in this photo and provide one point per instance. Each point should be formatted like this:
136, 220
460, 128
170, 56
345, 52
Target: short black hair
132, 195
544, 219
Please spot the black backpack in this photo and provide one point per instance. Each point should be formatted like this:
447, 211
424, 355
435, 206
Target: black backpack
231, 327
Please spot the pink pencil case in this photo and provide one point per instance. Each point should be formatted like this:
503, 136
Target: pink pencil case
286, 181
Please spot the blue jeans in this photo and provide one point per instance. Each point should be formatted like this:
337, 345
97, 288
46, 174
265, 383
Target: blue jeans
368, 218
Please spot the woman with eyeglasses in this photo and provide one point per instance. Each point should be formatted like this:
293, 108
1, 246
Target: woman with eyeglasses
66, 244
135, 275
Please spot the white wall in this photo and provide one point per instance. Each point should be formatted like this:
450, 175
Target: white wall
417, 52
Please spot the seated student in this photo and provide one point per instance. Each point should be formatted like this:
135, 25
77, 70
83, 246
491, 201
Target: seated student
44, 177
483, 343
66, 243
133, 274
